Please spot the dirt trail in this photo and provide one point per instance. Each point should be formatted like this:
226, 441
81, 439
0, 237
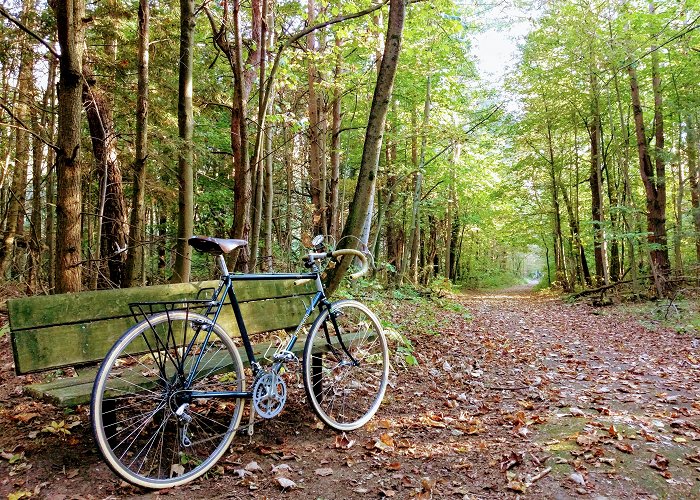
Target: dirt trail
515, 393
620, 401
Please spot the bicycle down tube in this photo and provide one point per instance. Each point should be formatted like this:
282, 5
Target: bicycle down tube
226, 289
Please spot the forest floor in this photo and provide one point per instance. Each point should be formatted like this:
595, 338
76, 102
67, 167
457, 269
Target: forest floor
514, 393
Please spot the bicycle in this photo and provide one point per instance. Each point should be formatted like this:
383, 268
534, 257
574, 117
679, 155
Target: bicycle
169, 396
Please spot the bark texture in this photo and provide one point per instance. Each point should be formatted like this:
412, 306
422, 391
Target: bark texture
71, 38
373, 136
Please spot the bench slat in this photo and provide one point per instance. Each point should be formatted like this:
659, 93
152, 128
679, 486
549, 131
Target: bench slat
58, 346
74, 391
84, 307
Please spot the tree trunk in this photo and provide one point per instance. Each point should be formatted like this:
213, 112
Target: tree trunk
135, 255
415, 215
653, 180
317, 133
113, 208
407, 258
40, 126
16, 210
626, 185
269, 196
692, 149
185, 126
333, 208
50, 231
595, 180
373, 136
70, 16
451, 201
242, 190
559, 261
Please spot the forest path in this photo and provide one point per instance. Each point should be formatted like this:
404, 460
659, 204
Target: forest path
515, 392
612, 400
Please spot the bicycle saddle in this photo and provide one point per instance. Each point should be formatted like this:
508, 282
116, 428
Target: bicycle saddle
215, 246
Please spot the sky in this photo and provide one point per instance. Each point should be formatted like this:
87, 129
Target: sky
496, 48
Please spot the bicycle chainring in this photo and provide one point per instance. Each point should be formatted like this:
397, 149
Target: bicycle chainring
269, 395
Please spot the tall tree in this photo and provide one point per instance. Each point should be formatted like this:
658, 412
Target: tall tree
373, 135
14, 220
653, 179
692, 152
135, 254
185, 126
70, 23
112, 208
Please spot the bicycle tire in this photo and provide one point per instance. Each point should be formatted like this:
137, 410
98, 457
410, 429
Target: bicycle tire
140, 387
346, 395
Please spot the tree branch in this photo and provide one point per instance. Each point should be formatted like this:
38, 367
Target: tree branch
24, 126
300, 34
29, 32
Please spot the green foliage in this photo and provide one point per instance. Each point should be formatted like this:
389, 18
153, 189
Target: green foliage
456, 307
401, 344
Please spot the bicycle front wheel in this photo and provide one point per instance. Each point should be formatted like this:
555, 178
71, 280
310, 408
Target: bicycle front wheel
158, 416
346, 365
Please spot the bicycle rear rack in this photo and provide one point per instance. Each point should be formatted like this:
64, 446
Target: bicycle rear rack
141, 311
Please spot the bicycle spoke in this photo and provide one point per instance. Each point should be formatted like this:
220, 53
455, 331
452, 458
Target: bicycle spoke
138, 432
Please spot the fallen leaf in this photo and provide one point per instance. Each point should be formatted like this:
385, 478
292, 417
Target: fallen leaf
343, 442
586, 439
624, 447
659, 462
253, 467
19, 494
25, 417
324, 471
428, 484
577, 412
281, 468
578, 478
516, 485
286, 484
510, 461
387, 439
385, 424
39, 487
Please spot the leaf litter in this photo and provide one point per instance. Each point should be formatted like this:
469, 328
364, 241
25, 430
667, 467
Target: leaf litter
531, 396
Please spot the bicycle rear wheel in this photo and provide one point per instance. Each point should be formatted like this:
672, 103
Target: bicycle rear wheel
346, 365
148, 425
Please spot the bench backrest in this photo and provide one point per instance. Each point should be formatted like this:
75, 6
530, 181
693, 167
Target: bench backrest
53, 331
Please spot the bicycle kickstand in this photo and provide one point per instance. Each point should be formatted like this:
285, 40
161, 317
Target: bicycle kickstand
251, 422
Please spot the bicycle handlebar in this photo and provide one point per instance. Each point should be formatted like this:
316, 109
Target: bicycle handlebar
339, 253
363, 258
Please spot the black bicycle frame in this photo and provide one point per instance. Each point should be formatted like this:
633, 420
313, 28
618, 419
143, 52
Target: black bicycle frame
226, 289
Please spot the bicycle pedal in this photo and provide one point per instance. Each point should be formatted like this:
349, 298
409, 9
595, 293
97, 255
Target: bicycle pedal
285, 357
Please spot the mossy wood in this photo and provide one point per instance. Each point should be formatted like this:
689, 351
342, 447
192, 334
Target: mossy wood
74, 329
76, 391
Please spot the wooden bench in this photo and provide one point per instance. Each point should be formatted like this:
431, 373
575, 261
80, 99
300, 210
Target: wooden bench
78, 329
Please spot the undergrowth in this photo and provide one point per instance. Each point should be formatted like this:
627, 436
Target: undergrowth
682, 314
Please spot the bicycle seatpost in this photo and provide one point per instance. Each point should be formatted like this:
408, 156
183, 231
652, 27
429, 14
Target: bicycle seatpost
222, 264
